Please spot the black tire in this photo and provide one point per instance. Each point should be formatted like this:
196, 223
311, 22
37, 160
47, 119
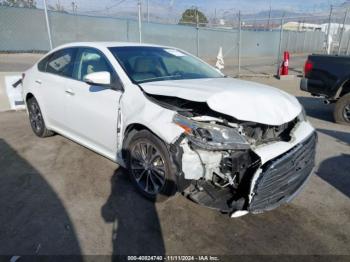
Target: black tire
158, 156
342, 110
36, 119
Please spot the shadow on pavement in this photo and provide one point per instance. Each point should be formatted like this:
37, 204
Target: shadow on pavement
33, 220
335, 171
315, 108
136, 227
343, 137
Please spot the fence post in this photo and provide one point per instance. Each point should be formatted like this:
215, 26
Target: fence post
147, 11
348, 46
304, 39
239, 42
288, 39
197, 34
294, 42
140, 23
328, 47
280, 46
343, 30
48, 24
127, 30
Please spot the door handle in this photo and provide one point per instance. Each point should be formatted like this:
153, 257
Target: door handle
38, 81
70, 92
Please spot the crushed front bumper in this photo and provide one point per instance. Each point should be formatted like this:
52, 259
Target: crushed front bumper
276, 182
283, 177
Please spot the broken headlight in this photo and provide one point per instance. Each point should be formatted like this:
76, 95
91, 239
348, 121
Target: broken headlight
211, 136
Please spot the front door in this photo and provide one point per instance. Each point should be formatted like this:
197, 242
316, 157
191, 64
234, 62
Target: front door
93, 110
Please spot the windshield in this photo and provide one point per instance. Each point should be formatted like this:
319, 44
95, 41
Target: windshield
148, 64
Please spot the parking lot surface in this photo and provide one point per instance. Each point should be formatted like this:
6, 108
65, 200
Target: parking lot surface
57, 197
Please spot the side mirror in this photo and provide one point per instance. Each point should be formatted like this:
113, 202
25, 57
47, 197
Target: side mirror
98, 78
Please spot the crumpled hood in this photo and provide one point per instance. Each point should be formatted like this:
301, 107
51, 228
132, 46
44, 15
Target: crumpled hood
243, 100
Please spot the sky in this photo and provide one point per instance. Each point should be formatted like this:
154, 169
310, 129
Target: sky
208, 6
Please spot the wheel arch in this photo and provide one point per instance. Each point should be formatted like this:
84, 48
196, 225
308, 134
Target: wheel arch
29, 95
175, 152
136, 127
343, 89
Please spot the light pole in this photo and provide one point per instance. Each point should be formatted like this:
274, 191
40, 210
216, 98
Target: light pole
47, 24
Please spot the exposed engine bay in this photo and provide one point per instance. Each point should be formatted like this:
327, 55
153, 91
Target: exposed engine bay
255, 133
218, 161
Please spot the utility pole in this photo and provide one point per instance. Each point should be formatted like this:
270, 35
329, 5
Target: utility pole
239, 42
197, 35
140, 22
268, 21
47, 24
215, 17
280, 46
74, 7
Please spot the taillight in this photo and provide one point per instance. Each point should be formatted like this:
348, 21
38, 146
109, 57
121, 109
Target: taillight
308, 67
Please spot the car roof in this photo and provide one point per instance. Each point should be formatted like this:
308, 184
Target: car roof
106, 44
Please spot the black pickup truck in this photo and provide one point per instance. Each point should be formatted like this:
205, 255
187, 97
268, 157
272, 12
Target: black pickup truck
328, 76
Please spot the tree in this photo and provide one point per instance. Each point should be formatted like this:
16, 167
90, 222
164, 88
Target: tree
58, 7
19, 3
190, 17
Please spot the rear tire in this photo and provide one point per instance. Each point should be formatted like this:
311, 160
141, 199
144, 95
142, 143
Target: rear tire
342, 110
36, 119
149, 165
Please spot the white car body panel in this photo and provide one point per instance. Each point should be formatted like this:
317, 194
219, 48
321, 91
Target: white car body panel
91, 116
137, 109
52, 97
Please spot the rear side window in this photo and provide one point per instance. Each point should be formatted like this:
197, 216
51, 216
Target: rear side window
61, 62
42, 64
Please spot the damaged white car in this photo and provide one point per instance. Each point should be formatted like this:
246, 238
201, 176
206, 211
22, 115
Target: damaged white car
176, 123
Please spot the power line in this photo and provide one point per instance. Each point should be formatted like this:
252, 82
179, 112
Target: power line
106, 8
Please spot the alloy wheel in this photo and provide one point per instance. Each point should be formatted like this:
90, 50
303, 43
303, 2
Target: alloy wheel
35, 117
147, 167
346, 113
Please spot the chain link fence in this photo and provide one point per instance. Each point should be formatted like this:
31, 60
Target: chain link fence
250, 45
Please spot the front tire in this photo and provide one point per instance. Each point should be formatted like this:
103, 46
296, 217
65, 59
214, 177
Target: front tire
36, 119
149, 165
342, 110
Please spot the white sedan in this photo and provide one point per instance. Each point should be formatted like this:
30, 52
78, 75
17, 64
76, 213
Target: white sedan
176, 123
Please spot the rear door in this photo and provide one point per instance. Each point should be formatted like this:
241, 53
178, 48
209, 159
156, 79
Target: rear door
53, 82
93, 110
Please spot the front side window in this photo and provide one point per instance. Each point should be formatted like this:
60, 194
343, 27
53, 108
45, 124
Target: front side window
61, 62
90, 61
147, 64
